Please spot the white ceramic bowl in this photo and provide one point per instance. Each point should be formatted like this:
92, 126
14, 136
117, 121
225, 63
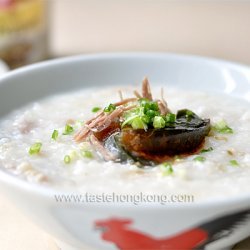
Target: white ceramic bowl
3, 68
217, 224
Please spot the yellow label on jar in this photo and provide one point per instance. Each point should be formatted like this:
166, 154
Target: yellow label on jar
21, 15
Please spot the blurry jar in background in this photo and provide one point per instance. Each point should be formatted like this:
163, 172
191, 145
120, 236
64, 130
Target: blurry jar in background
23, 31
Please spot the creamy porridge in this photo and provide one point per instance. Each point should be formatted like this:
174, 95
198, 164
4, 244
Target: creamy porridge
37, 143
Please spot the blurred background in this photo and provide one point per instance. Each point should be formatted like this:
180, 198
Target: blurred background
34, 30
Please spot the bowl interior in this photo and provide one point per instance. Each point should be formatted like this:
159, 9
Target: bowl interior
189, 72
37, 81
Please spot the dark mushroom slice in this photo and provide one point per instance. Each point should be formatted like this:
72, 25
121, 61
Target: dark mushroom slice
184, 136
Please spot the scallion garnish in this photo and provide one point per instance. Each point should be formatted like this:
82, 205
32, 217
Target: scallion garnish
170, 118
151, 113
55, 135
146, 119
129, 120
96, 109
35, 148
138, 123
86, 154
147, 115
68, 130
111, 107
234, 163
158, 122
166, 168
148, 105
199, 158
205, 150
222, 127
189, 113
67, 159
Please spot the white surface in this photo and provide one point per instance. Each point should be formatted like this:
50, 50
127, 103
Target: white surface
19, 233
73, 223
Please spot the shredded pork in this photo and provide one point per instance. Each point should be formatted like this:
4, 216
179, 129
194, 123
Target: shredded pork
103, 120
146, 91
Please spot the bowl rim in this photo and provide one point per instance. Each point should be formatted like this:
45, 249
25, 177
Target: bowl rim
50, 191
3, 68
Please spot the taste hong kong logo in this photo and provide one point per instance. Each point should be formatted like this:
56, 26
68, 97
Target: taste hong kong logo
121, 233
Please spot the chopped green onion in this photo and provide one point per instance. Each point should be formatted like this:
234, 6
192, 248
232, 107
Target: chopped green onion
86, 154
158, 122
199, 158
189, 113
234, 163
68, 130
170, 118
166, 168
137, 123
150, 113
129, 120
110, 108
35, 148
143, 116
153, 106
222, 127
205, 150
67, 159
96, 109
55, 135
146, 119
148, 105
